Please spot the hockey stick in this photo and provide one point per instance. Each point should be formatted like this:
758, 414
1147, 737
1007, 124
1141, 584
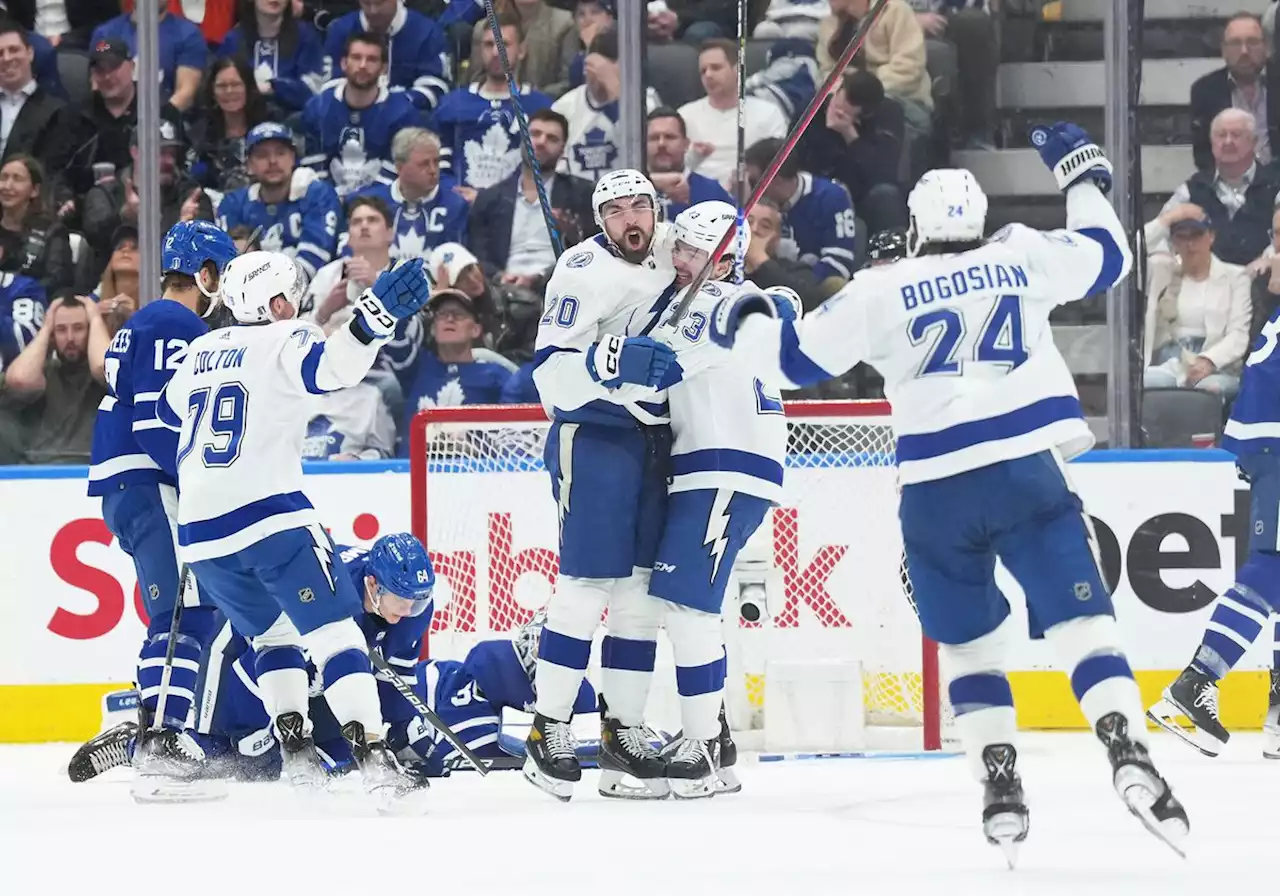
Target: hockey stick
526, 140
393, 678
740, 251
169, 649
789, 144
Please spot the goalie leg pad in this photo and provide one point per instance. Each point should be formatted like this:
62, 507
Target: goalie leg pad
1100, 675
573, 614
628, 652
193, 635
980, 694
697, 643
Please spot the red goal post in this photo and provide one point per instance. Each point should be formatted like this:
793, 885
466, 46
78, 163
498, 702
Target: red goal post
482, 504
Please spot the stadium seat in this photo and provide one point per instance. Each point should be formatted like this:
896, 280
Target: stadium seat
73, 71
1178, 418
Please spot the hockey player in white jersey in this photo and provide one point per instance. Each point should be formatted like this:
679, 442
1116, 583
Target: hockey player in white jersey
245, 526
607, 456
985, 411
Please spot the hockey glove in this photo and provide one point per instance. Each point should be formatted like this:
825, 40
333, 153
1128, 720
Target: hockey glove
730, 313
786, 300
1071, 155
396, 294
616, 360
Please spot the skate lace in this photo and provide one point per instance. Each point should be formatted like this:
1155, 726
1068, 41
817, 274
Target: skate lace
690, 750
1208, 699
636, 741
113, 754
185, 744
561, 743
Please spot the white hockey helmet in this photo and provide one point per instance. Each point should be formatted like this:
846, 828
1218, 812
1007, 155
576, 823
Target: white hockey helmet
251, 281
702, 226
946, 205
618, 185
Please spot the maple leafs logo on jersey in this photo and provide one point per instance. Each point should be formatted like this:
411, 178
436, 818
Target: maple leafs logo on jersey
492, 159
273, 239
410, 244
596, 153
449, 396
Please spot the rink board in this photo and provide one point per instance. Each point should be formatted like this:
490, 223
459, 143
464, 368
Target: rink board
1171, 524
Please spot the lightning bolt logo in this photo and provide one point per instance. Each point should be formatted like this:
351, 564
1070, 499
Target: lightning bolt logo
717, 523
324, 553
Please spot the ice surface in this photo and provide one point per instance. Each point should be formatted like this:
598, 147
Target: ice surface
821, 827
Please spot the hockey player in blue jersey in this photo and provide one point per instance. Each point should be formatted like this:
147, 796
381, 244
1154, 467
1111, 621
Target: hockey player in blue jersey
817, 215
289, 207
22, 305
349, 125
667, 145
1244, 610
132, 469
246, 527
417, 49
285, 55
424, 213
985, 411
479, 135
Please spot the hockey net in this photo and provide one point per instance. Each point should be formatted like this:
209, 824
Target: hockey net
482, 504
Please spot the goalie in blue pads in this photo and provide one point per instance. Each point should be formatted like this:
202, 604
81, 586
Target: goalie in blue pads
986, 411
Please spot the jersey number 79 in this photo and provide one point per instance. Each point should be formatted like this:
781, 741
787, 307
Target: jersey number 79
225, 410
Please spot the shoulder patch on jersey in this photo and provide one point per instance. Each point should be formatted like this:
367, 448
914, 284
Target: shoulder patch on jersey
581, 260
303, 335
712, 289
1001, 235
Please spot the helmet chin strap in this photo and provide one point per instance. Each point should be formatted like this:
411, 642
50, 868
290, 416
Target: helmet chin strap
215, 297
914, 242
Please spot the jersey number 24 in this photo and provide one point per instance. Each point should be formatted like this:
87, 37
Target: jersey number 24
1000, 340
225, 410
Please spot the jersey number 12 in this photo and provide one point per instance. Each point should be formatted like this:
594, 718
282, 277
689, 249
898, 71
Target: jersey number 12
226, 412
1000, 341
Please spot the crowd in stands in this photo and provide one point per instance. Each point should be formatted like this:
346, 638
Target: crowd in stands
352, 133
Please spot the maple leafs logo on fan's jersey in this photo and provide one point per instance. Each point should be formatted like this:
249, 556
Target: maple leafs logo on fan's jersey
492, 159
449, 396
596, 153
410, 244
273, 239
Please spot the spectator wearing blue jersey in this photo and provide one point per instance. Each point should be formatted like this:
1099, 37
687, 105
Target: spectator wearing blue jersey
479, 134
818, 224
424, 213
417, 51
51, 390
285, 55
350, 124
22, 309
182, 51
667, 146
293, 211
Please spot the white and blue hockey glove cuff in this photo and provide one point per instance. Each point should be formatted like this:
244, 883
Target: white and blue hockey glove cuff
1071, 155
787, 302
730, 312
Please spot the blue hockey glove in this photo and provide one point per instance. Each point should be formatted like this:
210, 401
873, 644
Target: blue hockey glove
396, 294
786, 300
615, 360
1071, 155
672, 375
730, 313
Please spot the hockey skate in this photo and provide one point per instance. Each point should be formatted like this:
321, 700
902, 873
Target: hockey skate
1005, 819
1194, 695
301, 764
1271, 727
628, 752
112, 748
1140, 786
169, 766
729, 782
551, 758
396, 789
691, 769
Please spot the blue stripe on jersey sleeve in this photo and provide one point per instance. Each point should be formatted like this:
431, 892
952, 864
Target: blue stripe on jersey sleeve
1112, 259
796, 365
310, 364
241, 518
727, 460
923, 446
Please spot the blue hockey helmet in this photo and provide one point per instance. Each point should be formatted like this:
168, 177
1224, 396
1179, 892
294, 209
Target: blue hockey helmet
189, 244
402, 569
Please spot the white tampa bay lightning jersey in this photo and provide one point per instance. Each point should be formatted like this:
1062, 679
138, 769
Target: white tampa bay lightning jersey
594, 293
962, 340
241, 399
728, 425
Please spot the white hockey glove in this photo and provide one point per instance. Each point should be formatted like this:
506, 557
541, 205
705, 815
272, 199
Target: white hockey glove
730, 312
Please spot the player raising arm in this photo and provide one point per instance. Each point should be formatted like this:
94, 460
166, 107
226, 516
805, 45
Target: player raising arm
246, 526
985, 411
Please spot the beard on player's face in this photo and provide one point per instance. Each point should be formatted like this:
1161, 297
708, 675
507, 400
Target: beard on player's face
631, 236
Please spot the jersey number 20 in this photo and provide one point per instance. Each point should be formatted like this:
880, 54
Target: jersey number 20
226, 411
1000, 340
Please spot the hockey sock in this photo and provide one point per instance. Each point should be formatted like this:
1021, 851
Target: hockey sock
573, 614
281, 668
1088, 648
1237, 620
697, 643
342, 656
629, 651
1275, 647
980, 694
195, 629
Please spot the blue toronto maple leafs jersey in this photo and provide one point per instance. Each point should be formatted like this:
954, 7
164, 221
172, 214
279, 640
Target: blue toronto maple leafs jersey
479, 135
419, 60
305, 227
818, 228
1254, 425
181, 45
22, 308
701, 189
296, 77
789, 78
352, 147
421, 226
130, 444
431, 383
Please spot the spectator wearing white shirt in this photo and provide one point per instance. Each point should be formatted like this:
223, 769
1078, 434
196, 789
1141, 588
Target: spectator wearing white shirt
340, 282
28, 113
712, 122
